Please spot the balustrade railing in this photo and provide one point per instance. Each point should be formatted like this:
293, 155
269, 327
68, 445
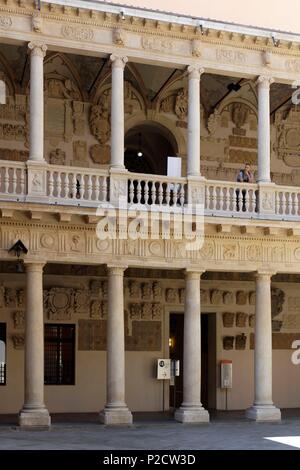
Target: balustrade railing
231, 199
91, 188
13, 184
77, 186
154, 190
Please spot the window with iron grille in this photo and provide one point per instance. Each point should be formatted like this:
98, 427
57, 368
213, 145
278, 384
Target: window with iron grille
2, 353
59, 354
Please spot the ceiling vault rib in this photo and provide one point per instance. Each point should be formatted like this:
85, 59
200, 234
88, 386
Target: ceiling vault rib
104, 61
163, 85
223, 97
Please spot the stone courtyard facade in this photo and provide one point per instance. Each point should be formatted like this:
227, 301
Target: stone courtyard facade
95, 102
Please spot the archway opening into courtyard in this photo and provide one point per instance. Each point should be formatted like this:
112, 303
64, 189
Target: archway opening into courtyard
147, 148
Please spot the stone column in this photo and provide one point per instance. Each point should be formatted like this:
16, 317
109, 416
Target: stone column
263, 408
36, 165
117, 111
34, 413
36, 102
116, 410
191, 410
193, 144
264, 137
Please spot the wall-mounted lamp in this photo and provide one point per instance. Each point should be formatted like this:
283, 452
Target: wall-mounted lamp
122, 15
19, 248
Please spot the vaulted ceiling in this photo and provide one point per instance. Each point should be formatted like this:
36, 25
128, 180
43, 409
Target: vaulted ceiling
149, 79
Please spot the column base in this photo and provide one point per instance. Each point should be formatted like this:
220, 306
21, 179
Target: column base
261, 413
115, 416
38, 418
192, 415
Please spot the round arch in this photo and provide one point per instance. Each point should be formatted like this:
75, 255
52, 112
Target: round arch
147, 146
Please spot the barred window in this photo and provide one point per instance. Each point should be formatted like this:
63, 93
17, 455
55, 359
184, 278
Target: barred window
2, 353
59, 354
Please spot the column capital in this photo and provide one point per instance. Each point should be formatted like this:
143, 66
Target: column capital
192, 273
117, 270
37, 48
264, 275
34, 265
118, 61
195, 71
264, 81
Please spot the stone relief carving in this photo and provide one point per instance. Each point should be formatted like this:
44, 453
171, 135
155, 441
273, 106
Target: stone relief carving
182, 296
213, 122
228, 319
156, 311
99, 121
80, 33
2, 296
59, 303
79, 151
181, 104
18, 340
57, 157
251, 321
19, 320
252, 298
241, 319
134, 290
171, 296
240, 341
119, 36
157, 290
228, 298
100, 154
231, 56
204, 295
78, 118
216, 297
241, 298
146, 291
37, 21
228, 342
239, 115
146, 313
287, 143
5, 22
277, 301
156, 44
196, 48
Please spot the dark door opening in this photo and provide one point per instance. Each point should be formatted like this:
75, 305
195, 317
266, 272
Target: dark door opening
208, 359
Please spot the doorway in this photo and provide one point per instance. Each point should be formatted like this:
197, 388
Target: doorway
208, 359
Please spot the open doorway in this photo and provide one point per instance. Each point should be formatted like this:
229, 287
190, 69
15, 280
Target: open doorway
147, 147
208, 359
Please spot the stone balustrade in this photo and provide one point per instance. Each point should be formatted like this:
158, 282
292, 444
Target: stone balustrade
89, 187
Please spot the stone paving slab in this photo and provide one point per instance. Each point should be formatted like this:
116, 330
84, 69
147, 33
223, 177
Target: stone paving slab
159, 435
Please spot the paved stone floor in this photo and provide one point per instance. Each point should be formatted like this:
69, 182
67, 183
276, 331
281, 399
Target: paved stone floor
152, 432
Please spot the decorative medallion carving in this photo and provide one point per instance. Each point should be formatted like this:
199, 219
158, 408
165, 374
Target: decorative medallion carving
18, 340
241, 319
228, 319
240, 341
79, 33
19, 320
228, 342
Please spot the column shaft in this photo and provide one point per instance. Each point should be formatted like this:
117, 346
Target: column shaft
36, 102
263, 408
117, 112
264, 136
34, 412
191, 409
115, 411
193, 145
